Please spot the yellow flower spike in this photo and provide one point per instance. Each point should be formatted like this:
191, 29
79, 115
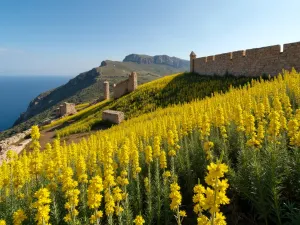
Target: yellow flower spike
175, 196
94, 192
163, 160
18, 217
139, 220
42, 205
148, 154
156, 148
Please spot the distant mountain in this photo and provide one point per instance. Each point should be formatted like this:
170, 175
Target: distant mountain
157, 59
88, 86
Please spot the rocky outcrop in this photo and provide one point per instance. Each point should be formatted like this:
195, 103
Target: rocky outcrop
158, 59
6, 143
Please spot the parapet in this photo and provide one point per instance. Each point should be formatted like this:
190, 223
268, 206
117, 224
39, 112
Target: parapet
250, 62
113, 116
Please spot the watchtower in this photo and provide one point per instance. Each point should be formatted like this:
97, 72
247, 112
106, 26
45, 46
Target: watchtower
192, 58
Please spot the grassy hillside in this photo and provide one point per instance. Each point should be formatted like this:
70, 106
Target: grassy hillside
232, 158
87, 87
174, 89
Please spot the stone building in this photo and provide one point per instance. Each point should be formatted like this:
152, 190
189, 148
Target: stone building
65, 109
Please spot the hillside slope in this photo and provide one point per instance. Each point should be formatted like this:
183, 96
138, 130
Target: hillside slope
170, 90
234, 153
88, 87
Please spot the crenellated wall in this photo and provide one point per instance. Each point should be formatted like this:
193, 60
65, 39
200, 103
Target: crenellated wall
126, 86
250, 62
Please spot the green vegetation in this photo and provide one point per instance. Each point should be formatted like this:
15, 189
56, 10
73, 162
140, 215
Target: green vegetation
82, 106
173, 89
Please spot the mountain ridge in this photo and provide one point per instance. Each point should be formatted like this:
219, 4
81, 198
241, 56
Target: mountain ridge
157, 59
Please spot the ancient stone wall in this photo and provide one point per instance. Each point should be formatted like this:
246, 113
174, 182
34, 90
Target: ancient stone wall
65, 109
250, 62
126, 86
113, 116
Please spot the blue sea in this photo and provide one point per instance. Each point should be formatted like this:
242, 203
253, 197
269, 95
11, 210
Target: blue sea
17, 91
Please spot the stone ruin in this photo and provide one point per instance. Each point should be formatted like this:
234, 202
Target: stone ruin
65, 109
113, 116
122, 88
106, 90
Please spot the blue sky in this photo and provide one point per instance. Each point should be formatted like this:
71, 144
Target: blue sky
66, 37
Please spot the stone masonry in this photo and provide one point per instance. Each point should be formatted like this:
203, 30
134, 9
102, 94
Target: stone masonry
126, 86
65, 109
113, 116
106, 90
251, 62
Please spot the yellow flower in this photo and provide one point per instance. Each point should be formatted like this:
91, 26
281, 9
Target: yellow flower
42, 205
139, 220
172, 153
166, 174
2, 222
274, 125
109, 204
163, 160
182, 213
203, 220
175, 196
81, 170
148, 154
94, 192
156, 148
220, 219
18, 217
211, 198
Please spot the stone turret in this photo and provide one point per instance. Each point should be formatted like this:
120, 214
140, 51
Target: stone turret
192, 58
106, 90
132, 82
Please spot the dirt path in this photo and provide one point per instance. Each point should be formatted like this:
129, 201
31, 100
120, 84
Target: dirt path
47, 136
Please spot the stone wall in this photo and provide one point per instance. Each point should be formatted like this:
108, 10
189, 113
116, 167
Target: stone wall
126, 86
113, 116
250, 62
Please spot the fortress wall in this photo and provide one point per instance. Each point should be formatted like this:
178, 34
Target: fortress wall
251, 62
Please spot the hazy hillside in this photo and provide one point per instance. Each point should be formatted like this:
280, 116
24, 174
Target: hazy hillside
88, 86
